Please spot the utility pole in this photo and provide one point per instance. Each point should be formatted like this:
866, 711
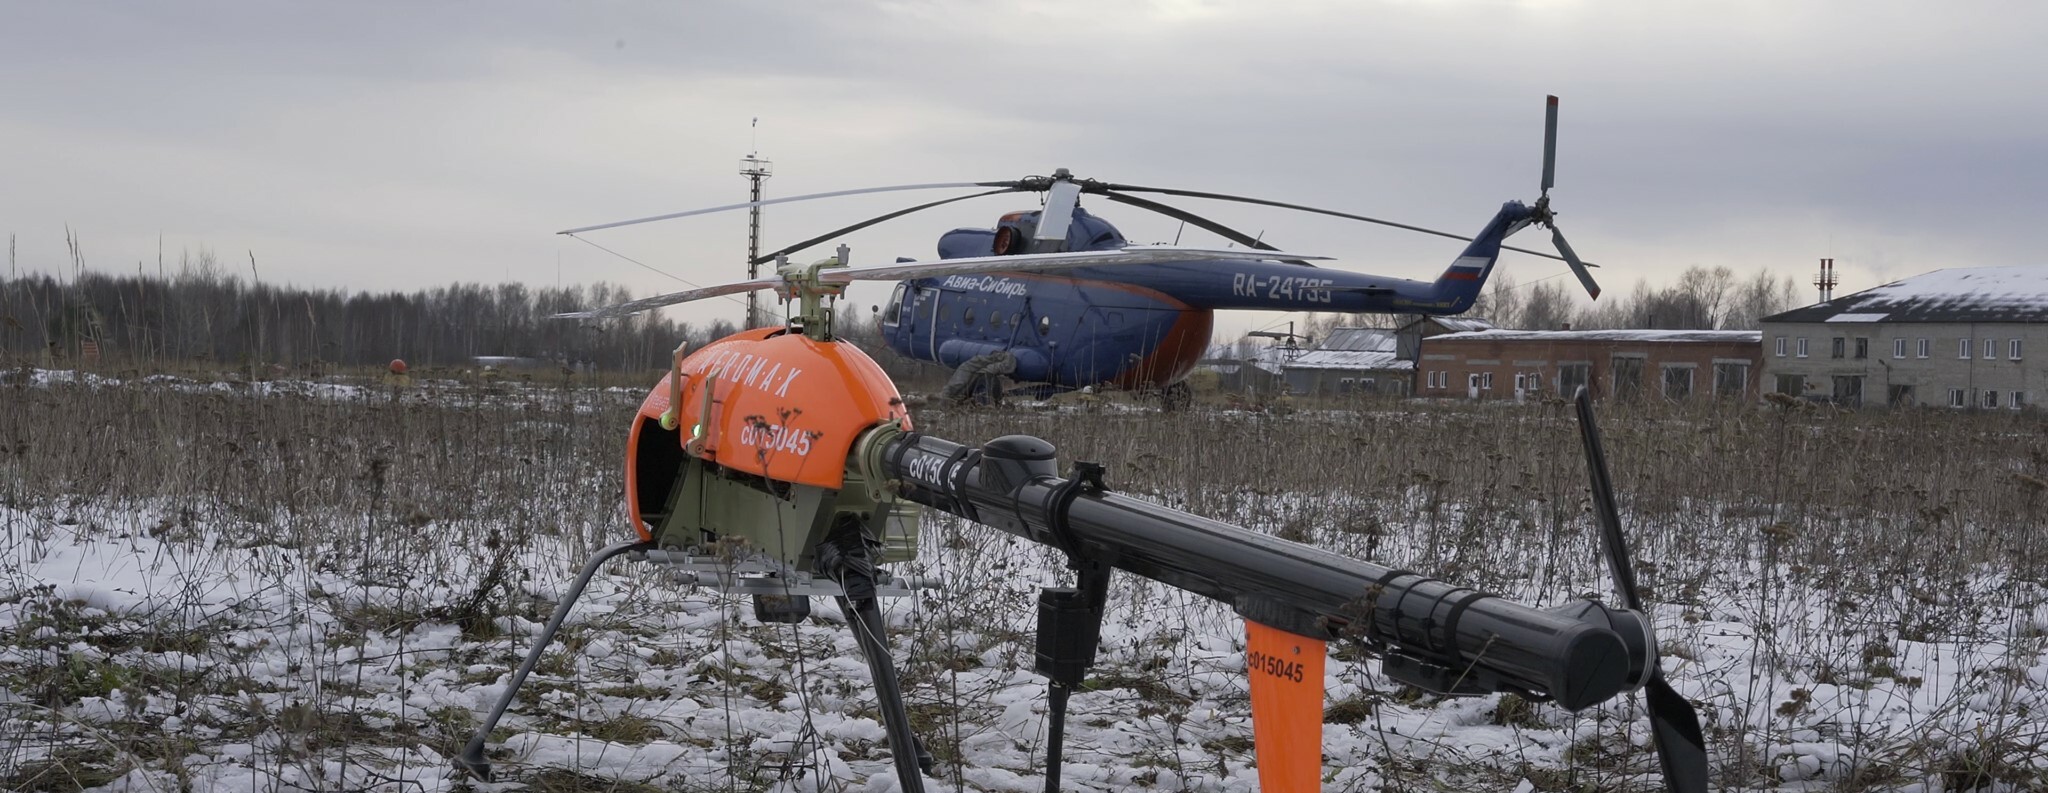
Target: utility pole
756, 170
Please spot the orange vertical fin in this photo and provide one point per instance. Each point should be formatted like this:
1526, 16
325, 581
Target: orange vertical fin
1287, 707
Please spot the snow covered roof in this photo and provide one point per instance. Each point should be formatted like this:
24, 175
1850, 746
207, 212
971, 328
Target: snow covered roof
2016, 293
1627, 334
1463, 324
1359, 340
1353, 348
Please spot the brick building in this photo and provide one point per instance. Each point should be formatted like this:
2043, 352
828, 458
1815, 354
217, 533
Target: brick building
1525, 364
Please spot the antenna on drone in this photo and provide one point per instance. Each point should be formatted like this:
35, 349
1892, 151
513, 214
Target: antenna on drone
756, 170
1825, 280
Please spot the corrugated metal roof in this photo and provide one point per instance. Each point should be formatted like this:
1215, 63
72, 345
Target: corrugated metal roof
1464, 324
2016, 293
1349, 359
1353, 348
1642, 335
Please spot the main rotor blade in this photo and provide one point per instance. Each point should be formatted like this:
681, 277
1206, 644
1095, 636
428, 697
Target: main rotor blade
1129, 188
1572, 258
1549, 143
1183, 215
1604, 510
1200, 222
1136, 254
1681, 746
769, 257
670, 299
787, 199
1150, 254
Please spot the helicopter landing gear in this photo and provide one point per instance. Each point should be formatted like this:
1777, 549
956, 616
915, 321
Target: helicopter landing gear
1177, 397
845, 559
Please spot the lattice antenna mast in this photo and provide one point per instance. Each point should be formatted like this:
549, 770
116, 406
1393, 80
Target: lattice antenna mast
1825, 280
756, 170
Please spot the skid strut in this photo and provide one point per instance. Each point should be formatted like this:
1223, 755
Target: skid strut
472, 757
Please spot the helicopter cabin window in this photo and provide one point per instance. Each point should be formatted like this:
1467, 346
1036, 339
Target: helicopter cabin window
967, 317
995, 319
894, 313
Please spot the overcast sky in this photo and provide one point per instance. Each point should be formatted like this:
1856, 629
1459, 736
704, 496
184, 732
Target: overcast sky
381, 146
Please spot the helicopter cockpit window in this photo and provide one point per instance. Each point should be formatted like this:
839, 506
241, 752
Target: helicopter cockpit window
894, 313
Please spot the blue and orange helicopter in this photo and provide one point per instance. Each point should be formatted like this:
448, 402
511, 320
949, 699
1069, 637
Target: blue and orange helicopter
1139, 326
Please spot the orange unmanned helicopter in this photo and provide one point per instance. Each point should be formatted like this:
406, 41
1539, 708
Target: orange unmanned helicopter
782, 463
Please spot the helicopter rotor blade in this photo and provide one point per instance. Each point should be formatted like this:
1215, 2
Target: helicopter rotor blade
1200, 222
670, 299
1101, 187
1151, 254
1674, 723
769, 257
1549, 144
1571, 257
1013, 185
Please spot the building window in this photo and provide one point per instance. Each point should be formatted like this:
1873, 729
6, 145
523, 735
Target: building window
1862, 349
1367, 385
1991, 349
1955, 397
1899, 396
1344, 385
1521, 383
1924, 346
1849, 390
1677, 382
1990, 398
1731, 379
1535, 382
1792, 384
2019, 399
1898, 348
1486, 381
1963, 350
1627, 374
1802, 347
1573, 376
2014, 350
1781, 346
1835, 349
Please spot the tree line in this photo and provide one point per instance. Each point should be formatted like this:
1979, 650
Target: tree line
200, 313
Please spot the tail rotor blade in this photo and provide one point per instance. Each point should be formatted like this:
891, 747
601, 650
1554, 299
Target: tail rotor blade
1681, 746
1549, 144
1572, 258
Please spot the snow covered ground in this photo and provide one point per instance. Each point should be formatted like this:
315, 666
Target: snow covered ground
157, 644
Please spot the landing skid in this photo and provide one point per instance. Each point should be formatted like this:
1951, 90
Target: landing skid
781, 595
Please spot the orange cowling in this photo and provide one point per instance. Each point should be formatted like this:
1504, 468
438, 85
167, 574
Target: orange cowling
1286, 672
783, 406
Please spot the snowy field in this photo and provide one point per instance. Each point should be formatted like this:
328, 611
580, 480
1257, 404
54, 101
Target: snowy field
314, 587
